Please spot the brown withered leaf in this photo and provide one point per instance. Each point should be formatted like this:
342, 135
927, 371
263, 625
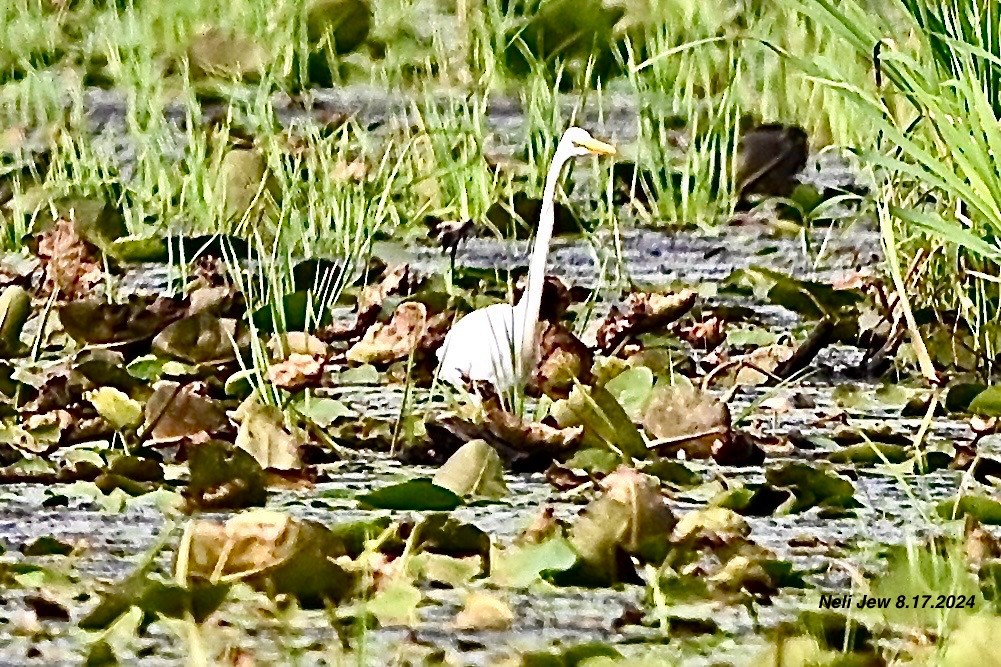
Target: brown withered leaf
97, 322
72, 265
296, 342
397, 280
981, 544
556, 297
272, 552
642, 312
435, 330
297, 372
201, 339
385, 343
563, 361
523, 445
758, 367
629, 518
741, 449
263, 434
683, 417
175, 411
704, 335
528, 436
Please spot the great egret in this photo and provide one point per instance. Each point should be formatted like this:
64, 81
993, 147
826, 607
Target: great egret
499, 343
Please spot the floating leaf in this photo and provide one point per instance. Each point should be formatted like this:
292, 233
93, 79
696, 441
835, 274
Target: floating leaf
155, 597
15, 308
224, 477
484, 611
176, 411
812, 486
271, 552
297, 372
629, 519
987, 403
384, 343
809, 298
262, 434
396, 603
985, 510
116, 407
324, 411
474, 470
640, 313
713, 525
686, 418
200, 339
414, 494
870, 454
522, 565
631, 389
97, 322
606, 425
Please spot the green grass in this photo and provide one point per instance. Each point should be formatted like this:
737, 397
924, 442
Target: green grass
937, 137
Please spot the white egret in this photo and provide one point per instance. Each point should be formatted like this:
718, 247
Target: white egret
499, 343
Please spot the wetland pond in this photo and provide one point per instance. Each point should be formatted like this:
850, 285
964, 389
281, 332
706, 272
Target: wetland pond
787, 450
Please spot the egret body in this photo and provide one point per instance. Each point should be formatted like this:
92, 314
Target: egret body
499, 343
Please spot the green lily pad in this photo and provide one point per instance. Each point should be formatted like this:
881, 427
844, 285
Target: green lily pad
606, 424
521, 566
869, 454
474, 470
15, 308
984, 509
631, 389
811, 487
324, 411
156, 597
116, 407
808, 298
414, 494
987, 403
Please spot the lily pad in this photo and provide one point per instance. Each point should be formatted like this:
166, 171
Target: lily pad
274, 553
474, 470
201, 339
263, 435
522, 565
985, 510
812, 486
414, 494
224, 477
15, 308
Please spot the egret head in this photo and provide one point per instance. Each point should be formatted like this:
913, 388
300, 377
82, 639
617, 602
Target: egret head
577, 142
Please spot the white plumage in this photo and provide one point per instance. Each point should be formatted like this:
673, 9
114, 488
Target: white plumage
498, 344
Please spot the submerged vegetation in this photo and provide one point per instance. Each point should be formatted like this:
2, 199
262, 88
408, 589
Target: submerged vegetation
235, 235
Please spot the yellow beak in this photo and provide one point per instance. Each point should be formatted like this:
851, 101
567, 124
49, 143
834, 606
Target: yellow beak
597, 147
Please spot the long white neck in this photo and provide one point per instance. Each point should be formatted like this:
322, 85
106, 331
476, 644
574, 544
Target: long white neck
531, 300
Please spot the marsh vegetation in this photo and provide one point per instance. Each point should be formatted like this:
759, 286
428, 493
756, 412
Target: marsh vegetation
235, 235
